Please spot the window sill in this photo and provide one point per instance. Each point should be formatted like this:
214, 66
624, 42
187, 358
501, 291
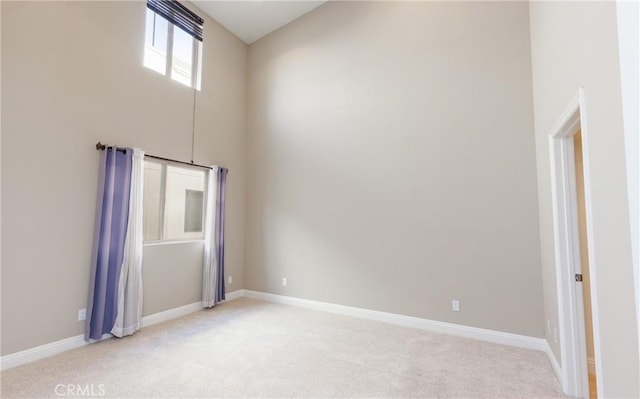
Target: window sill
170, 242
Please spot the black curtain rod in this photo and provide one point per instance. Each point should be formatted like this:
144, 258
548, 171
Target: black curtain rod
101, 146
176, 161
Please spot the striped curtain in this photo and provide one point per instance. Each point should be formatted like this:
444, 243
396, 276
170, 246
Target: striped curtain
213, 291
115, 287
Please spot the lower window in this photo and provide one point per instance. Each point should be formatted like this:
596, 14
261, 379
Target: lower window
173, 207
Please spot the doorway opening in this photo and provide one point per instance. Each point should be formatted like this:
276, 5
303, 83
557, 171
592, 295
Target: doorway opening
584, 263
575, 277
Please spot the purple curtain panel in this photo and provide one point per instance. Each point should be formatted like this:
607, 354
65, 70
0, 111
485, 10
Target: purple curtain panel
219, 229
112, 213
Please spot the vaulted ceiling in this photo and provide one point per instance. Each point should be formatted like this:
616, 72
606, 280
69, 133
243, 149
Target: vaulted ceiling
252, 20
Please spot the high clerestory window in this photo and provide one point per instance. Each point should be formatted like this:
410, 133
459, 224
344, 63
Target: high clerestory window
173, 41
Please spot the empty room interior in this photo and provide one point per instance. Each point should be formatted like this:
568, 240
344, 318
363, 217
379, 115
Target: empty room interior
261, 199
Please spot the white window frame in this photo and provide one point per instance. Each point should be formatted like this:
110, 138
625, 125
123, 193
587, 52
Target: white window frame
163, 198
196, 60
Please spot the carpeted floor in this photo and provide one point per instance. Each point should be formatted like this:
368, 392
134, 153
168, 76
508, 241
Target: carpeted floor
248, 348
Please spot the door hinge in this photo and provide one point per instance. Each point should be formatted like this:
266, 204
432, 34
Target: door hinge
579, 277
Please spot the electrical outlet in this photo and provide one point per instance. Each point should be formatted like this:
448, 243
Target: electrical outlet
284, 282
455, 305
229, 279
82, 314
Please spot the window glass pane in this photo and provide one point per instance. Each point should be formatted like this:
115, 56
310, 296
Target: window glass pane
183, 209
194, 205
155, 49
182, 62
151, 200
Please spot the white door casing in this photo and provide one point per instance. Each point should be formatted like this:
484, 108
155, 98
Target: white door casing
567, 249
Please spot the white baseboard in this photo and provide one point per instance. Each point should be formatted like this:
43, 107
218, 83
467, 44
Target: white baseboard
170, 314
554, 362
498, 337
46, 350
235, 295
53, 348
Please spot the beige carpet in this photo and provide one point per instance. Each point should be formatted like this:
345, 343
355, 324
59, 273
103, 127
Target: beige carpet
249, 348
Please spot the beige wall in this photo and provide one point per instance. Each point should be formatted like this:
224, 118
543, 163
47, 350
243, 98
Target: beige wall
628, 18
573, 45
392, 162
172, 275
72, 74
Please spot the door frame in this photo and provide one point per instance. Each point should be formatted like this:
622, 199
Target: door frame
574, 370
